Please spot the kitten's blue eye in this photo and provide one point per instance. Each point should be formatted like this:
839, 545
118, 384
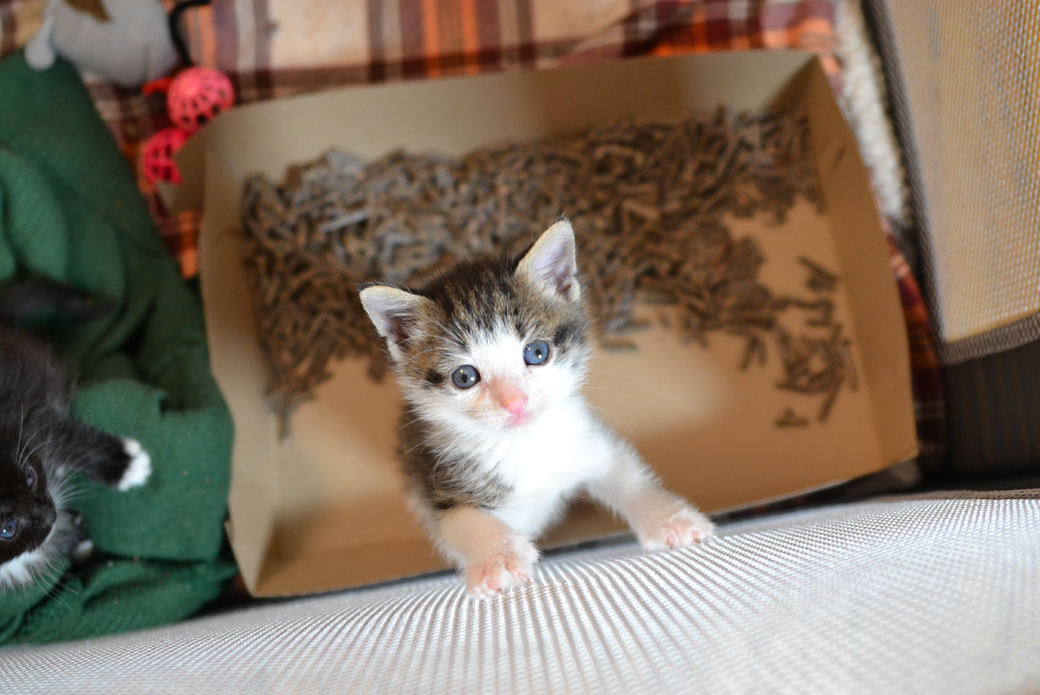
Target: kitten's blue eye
465, 376
9, 529
30, 479
536, 353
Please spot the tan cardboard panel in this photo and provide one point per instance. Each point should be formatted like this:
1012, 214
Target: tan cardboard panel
239, 368
883, 342
284, 575
327, 510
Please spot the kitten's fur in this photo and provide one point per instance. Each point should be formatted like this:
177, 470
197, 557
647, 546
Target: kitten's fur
490, 467
40, 443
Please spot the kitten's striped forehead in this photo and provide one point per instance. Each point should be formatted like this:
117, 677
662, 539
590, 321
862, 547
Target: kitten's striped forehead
483, 302
480, 296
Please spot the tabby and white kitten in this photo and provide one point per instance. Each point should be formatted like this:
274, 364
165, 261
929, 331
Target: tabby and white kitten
41, 443
496, 436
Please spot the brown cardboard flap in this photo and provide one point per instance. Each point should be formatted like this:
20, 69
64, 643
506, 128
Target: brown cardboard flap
873, 299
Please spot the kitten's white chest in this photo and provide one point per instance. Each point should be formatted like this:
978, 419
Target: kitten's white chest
545, 463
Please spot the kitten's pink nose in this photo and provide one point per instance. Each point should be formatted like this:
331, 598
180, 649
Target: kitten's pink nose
516, 404
511, 397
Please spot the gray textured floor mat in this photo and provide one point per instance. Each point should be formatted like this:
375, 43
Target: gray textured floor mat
924, 596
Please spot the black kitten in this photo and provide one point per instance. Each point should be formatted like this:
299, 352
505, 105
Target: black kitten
40, 442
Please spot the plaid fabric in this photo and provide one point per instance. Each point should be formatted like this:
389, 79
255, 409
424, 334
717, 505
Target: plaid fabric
273, 48
925, 372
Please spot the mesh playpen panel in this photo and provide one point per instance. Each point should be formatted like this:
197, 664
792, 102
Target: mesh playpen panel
967, 95
925, 596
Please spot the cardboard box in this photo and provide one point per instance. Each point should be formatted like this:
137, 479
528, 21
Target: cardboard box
327, 510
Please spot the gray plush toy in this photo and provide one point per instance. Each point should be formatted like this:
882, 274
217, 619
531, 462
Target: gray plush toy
124, 41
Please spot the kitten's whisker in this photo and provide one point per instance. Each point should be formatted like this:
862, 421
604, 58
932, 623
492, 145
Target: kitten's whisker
433, 470
55, 593
68, 589
410, 422
21, 422
21, 454
610, 393
603, 389
425, 441
439, 348
68, 493
614, 417
456, 332
41, 444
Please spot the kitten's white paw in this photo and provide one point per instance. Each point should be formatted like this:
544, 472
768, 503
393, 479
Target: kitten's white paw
140, 465
82, 552
501, 571
675, 529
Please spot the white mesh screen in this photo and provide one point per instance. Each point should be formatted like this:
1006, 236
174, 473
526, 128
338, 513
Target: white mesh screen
970, 74
923, 596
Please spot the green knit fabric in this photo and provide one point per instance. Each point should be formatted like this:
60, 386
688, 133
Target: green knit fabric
70, 210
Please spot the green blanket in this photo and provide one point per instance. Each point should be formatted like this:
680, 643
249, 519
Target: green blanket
70, 210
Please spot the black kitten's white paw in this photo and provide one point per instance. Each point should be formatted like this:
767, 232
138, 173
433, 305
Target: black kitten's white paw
139, 468
82, 552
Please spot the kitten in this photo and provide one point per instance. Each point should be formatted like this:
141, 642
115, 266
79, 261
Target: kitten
496, 436
40, 442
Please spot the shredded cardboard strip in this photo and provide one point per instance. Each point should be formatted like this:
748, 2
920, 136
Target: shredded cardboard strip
647, 202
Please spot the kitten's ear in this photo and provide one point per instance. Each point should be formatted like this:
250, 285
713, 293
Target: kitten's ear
550, 264
394, 312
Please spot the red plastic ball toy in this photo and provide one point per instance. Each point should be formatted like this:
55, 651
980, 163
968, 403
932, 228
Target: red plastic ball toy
157, 158
197, 96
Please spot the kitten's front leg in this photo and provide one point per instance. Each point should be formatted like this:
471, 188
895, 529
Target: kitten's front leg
492, 556
660, 519
119, 463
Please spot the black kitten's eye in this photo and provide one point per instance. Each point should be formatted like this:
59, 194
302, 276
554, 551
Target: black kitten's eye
465, 376
536, 353
30, 479
8, 530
